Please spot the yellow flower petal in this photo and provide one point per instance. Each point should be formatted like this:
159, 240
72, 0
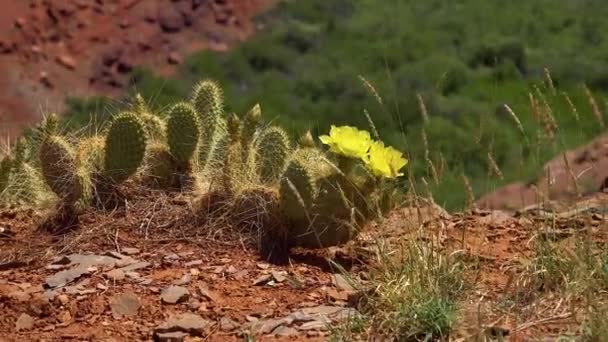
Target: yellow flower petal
384, 161
347, 141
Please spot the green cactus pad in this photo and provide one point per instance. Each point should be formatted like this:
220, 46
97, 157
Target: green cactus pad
234, 172
50, 125
297, 191
234, 128
159, 169
183, 132
5, 172
26, 186
83, 190
208, 101
90, 154
211, 151
272, 154
155, 127
57, 161
125, 147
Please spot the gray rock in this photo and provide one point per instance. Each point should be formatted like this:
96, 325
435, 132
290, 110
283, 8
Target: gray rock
174, 294
63, 278
136, 266
227, 324
342, 283
176, 336
82, 264
210, 295
267, 326
184, 280
284, 331
322, 310
279, 277
133, 275
186, 322
194, 263
263, 279
24, 322
130, 251
125, 305
115, 275
313, 325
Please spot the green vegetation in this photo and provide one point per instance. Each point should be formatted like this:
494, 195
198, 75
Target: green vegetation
463, 59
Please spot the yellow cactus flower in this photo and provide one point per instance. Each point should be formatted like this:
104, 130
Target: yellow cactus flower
385, 161
347, 141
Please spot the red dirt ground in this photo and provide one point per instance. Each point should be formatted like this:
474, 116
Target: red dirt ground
50, 49
166, 234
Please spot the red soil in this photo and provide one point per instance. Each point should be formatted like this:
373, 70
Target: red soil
50, 49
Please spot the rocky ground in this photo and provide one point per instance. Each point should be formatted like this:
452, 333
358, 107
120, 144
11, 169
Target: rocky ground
151, 271
50, 49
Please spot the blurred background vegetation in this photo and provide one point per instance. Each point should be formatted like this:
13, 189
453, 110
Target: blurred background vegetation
464, 58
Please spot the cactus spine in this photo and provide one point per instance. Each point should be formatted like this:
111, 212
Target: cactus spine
125, 147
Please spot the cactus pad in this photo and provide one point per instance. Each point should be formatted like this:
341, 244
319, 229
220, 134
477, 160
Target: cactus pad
90, 154
208, 101
297, 191
5, 172
159, 167
183, 132
125, 147
58, 165
272, 154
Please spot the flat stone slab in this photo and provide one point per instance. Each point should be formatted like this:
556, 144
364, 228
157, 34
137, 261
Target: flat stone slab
187, 323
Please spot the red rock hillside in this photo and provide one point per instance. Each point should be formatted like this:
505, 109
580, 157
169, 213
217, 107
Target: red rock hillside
53, 48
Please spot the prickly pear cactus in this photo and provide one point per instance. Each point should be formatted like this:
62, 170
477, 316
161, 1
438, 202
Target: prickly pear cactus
58, 164
154, 125
298, 190
125, 147
207, 99
272, 154
159, 170
83, 190
306, 140
234, 169
26, 186
5, 172
251, 124
90, 154
183, 133
320, 203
